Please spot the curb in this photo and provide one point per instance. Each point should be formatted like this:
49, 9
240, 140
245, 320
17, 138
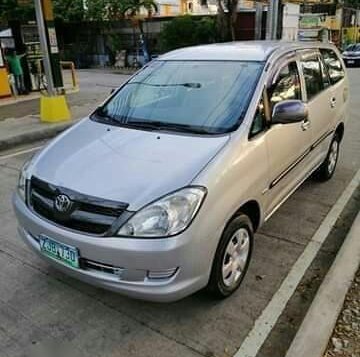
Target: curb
32, 136
313, 335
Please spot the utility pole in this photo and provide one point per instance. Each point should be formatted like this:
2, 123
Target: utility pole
272, 19
258, 20
275, 19
53, 106
269, 20
44, 47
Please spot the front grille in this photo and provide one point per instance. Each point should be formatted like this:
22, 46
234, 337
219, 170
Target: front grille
87, 213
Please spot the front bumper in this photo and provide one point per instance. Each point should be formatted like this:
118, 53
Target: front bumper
124, 264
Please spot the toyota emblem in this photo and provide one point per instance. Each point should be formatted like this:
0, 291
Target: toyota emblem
62, 203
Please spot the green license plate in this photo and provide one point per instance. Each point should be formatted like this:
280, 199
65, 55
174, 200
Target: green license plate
59, 251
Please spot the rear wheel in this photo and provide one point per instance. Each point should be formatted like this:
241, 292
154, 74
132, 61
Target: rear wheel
232, 257
327, 168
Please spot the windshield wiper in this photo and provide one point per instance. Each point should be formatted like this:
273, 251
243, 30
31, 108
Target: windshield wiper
152, 124
159, 125
193, 85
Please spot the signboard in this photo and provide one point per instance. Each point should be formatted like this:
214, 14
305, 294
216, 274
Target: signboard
24, 2
53, 40
309, 22
1, 59
309, 35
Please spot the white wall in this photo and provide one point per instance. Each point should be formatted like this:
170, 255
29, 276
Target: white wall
290, 22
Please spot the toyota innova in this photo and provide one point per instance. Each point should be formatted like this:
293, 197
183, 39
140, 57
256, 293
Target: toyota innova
157, 194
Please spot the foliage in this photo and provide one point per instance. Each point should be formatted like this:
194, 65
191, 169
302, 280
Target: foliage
187, 31
11, 10
352, 3
115, 42
133, 7
95, 9
78, 10
69, 10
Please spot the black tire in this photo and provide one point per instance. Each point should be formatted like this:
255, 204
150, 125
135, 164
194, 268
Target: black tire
217, 286
326, 171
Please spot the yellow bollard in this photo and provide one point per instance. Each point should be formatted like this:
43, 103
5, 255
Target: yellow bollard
54, 109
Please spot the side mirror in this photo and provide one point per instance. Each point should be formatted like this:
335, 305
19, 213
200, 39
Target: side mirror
112, 90
289, 112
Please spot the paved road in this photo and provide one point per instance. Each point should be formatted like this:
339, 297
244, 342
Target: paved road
40, 306
95, 86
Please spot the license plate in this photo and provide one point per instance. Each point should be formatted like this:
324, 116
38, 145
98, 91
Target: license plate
351, 61
59, 251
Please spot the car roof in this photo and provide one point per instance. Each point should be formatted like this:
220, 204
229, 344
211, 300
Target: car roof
242, 50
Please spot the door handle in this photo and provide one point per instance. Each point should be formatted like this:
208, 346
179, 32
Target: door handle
305, 125
333, 102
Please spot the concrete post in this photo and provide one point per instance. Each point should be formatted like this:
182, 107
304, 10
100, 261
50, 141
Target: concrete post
258, 20
272, 19
269, 20
275, 19
44, 47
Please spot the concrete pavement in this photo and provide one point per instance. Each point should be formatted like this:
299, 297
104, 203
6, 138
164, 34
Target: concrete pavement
315, 331
40, 306
20, 121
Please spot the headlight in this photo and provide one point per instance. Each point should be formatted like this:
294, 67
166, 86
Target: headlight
22, 180
166, 217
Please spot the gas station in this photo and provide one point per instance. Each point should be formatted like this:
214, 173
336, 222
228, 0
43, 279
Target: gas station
37, 46
5, 90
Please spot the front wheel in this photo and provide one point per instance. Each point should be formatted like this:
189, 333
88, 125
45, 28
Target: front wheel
232, 257
327, 168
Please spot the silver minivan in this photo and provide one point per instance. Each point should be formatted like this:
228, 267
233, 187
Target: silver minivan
158, 193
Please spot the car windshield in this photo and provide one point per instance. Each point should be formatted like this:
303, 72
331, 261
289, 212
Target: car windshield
354, 48
191, 96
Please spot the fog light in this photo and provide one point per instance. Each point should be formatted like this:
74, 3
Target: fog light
161, 274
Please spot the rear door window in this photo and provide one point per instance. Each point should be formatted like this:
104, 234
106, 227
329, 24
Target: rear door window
333, 64
313, 75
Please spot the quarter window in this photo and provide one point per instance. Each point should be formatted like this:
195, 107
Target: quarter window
313, 76
259, 122
333, 64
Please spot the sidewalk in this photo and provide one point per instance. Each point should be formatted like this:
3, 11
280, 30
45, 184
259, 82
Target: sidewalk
19, 119
28, 129
19, 99
345, 340
22, 130
20, 122
322, 332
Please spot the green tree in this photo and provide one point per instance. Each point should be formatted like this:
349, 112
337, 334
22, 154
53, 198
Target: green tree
69, 10
132, 8
96, 10
11, 10
352, 3
185, 31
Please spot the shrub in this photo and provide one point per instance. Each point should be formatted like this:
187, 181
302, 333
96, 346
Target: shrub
186, 30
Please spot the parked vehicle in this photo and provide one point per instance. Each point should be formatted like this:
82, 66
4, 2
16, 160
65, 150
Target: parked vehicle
158, 193
351, 55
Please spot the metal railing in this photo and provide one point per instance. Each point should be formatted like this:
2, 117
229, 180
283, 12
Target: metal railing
74, 83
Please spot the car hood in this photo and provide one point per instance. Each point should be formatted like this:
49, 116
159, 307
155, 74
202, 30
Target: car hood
351, 54
126, 165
